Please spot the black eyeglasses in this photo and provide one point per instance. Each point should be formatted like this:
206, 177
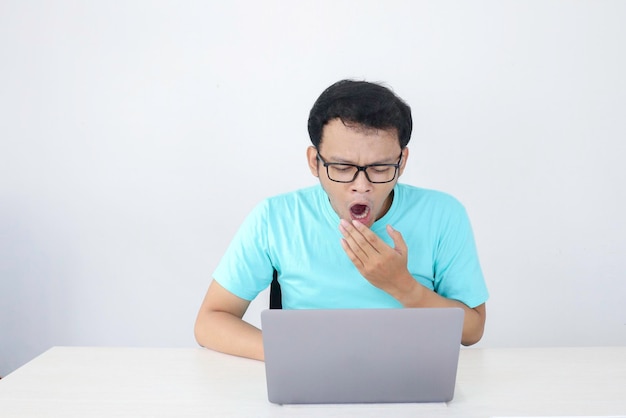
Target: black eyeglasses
347, 173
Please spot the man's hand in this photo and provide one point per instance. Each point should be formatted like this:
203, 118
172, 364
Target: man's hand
386, 268
383, 266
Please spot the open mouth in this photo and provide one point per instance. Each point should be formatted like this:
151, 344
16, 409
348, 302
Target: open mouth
359, 211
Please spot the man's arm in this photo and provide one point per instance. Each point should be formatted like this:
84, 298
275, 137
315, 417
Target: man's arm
219, 325
386, 268
418, 296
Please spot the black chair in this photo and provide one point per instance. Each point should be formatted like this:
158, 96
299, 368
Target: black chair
276, 299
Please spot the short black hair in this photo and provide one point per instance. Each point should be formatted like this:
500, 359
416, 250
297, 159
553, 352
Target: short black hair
363, 103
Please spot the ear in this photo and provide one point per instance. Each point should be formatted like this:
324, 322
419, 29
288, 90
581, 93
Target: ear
405, 157
311, 156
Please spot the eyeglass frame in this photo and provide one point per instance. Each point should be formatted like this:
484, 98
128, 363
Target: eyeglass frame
362, 168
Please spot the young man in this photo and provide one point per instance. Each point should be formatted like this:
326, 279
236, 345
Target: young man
359, 239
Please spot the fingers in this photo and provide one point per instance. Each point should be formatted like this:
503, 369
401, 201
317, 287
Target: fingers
359, 237
353, 244
379, 263
398, 240
351, 255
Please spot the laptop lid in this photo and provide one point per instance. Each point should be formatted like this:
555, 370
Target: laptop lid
361, 355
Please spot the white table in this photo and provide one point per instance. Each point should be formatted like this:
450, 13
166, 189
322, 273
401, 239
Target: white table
140, 382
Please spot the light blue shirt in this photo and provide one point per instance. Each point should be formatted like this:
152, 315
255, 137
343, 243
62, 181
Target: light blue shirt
297, 234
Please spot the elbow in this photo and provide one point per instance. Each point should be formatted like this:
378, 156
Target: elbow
472, 339
198, 332
474, 326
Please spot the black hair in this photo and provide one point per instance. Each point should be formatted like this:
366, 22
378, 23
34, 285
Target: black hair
362, 103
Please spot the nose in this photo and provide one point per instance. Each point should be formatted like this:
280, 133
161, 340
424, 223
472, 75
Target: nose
361, 184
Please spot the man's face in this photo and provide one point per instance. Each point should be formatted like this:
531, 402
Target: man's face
360, 199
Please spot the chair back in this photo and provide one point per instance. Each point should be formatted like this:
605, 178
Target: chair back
276, 301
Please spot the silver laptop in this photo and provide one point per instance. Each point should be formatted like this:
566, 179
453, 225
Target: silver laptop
361, 355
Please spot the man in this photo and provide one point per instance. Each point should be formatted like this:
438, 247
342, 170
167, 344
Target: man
359, 239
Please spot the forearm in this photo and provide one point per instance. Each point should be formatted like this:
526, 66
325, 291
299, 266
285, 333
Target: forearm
224, 332
418, 296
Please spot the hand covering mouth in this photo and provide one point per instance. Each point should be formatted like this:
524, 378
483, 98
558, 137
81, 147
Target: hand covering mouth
359, 211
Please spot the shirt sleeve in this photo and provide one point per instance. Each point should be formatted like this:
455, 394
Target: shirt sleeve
245, 268
458, 274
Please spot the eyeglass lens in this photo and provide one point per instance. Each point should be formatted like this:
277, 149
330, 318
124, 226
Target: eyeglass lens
348, 173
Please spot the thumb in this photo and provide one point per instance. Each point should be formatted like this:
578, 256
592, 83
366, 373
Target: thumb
398, 241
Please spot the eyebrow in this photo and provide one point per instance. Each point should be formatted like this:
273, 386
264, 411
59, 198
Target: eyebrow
334, 159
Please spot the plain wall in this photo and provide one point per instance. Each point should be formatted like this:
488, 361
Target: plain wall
137, 135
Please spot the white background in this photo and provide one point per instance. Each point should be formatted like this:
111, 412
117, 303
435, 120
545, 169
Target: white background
137, 135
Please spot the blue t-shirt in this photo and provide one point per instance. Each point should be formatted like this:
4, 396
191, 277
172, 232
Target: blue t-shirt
297, 234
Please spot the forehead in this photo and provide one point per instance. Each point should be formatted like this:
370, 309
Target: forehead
351, 140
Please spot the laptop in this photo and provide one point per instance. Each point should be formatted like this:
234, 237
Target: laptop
361, 355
